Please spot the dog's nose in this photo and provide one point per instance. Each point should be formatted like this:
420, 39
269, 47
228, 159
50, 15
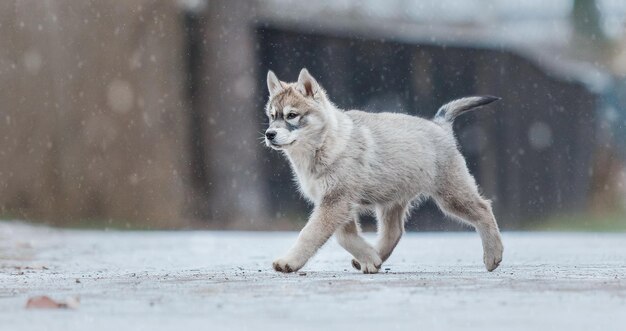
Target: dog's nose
270, 134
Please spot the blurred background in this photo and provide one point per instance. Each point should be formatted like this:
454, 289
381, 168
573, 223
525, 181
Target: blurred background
147, 113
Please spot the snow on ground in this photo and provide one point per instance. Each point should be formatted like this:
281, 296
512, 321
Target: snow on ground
223, 281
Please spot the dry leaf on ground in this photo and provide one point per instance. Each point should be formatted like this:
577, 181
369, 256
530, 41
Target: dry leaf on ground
47, 303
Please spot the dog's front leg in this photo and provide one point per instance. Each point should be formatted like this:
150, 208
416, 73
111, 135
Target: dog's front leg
366, 257
326, 218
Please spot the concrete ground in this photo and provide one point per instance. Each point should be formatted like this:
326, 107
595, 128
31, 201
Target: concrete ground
223, 281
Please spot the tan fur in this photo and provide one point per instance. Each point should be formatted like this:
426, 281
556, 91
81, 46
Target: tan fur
348, 162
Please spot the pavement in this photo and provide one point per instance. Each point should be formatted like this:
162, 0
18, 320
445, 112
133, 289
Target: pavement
206, 280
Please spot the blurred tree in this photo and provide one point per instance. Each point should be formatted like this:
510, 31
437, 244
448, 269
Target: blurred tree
590, 42
226, 86
592, 45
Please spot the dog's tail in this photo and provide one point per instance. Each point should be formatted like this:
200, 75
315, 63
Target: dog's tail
448, 112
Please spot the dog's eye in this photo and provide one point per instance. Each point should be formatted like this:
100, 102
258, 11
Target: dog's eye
291, 116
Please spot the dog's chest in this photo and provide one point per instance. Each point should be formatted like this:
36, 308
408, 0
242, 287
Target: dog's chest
309, 184
311, 188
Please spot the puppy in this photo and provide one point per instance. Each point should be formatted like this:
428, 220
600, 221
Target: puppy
350, 162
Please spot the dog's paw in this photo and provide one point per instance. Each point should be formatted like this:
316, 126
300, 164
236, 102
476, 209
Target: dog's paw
286, 265
493, 257
369, 267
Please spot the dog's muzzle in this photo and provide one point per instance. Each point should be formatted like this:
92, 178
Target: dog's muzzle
270, 134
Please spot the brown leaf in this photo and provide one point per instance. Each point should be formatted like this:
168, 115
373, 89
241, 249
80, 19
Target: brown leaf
47, 303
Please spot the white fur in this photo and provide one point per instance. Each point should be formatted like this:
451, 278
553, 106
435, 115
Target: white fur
347, 162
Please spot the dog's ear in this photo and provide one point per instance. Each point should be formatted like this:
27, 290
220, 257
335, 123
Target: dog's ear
273, 84
307, 85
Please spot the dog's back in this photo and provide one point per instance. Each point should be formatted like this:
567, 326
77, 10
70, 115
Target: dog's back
402, 154
405, 154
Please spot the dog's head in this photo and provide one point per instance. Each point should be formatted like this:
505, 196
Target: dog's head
297, 112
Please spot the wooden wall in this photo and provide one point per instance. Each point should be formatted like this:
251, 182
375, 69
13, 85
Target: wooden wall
132, 112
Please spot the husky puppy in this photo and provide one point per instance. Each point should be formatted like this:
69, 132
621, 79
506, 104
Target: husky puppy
348, 162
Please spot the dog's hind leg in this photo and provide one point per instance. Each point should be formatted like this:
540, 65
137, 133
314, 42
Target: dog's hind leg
458, 196
390, 227
366, 258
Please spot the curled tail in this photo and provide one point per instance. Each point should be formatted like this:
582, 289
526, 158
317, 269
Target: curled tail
448, 112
